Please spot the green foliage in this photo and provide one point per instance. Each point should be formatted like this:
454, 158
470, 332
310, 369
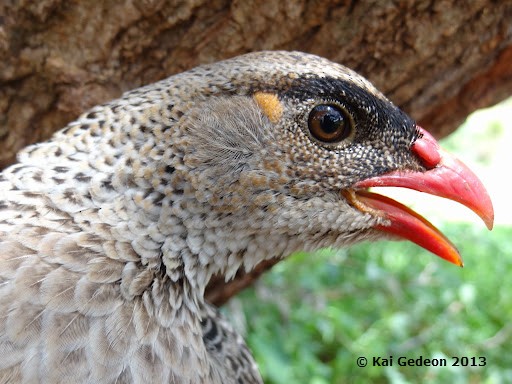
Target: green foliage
315, 314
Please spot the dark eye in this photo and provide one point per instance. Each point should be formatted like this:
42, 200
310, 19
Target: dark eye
329, 124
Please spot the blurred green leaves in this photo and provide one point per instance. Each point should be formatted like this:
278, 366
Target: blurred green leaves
315, 314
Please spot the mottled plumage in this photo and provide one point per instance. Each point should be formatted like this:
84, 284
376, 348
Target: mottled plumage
110, 231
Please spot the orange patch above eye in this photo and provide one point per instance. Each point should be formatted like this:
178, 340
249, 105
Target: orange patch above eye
270, 105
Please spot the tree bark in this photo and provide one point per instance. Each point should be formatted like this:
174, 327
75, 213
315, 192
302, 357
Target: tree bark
438, 60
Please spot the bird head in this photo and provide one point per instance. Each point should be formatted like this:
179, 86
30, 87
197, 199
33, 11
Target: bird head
283, 147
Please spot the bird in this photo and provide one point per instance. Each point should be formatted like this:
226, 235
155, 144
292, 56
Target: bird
111, 230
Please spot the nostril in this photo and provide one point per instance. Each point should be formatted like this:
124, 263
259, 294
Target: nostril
427, 149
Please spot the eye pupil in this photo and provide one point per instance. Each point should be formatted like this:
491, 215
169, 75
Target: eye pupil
329, 124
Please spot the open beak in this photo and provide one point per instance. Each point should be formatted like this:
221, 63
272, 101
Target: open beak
446, 177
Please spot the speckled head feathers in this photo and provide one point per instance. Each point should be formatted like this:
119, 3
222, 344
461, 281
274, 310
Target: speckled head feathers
223, 155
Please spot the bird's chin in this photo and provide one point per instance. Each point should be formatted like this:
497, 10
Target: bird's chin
445, 176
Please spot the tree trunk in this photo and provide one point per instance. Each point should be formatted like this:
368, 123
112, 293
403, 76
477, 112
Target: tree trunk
438, 60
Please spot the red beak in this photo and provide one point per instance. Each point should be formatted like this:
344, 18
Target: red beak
447, 177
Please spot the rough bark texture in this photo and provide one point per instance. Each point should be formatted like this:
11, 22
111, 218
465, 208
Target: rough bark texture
438, 60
